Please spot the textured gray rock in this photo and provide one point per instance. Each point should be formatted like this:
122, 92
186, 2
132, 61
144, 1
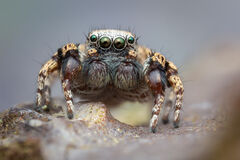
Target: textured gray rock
93, 133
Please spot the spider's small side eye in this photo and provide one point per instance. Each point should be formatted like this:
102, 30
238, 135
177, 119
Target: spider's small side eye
93, 38
131, 40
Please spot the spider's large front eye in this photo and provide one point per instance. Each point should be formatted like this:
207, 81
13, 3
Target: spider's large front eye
105, 42
119, 43
93, 38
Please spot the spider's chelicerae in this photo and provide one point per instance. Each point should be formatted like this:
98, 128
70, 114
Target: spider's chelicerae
111, 67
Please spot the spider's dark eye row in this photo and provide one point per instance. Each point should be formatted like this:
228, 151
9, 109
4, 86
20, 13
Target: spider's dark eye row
131, 40
119, 43
105, 42
93, 38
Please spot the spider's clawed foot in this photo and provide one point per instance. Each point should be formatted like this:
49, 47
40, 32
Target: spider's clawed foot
42, 109
176, 120
176, 124
70, 115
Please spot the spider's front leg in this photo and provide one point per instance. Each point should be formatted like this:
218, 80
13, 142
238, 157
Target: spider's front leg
70, 70
43, 91
156, 80
66, 62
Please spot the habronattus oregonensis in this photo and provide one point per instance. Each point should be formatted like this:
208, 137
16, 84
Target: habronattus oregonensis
111, 66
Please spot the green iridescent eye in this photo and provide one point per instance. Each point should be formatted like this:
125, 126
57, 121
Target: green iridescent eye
119, 43
105, 42
93, 38
131, 40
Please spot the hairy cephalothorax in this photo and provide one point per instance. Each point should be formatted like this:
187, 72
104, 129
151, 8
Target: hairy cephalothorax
111, 67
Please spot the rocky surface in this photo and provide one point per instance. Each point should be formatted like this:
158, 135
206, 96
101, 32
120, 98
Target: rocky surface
95, 134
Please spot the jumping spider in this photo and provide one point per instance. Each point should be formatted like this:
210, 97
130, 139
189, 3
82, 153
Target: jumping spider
111, 67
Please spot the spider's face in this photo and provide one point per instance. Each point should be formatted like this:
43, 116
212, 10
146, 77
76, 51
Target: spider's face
111, 41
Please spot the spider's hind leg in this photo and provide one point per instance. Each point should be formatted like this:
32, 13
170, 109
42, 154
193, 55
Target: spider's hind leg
170, 99
177, 86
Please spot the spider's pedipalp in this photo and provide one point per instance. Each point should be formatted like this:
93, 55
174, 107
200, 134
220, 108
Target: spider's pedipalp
92, 52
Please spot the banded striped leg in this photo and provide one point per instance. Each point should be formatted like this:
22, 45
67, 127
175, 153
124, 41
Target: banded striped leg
43, 91
155, 77
155, 84
68, 97
70, 69
168, 106
177, 85
48, 69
